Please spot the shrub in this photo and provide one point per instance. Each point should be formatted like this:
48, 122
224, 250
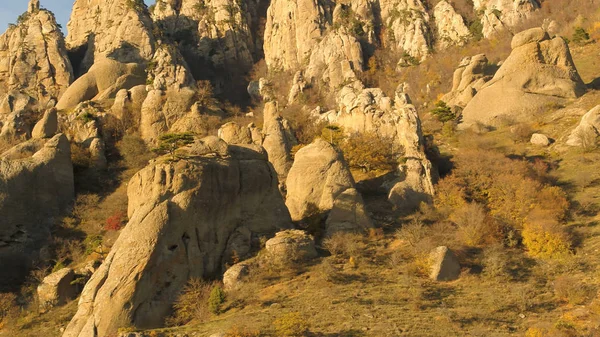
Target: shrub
495, 260
570, 289
368, 151
412, 233
242, 332
291, 325
169, 143
343, 244
333, 134
545, 238
134, 151
216, 300
580, 36
115, 222
192, 303
535, 332
521, 132
8, 307
475, 227
443, 112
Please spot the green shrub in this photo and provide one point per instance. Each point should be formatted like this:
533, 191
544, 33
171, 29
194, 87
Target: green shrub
169, 143
216, 300
580, 36
443, 112
291, 325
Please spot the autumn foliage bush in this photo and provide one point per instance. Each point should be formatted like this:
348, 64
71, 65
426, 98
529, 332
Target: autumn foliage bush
116, 221
368, 151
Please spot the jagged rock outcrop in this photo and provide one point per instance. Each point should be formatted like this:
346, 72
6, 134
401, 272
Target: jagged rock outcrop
278, 140
36, 186
117, 29
182, 215
348, 214
233, 133
168, 70
82, 128
214, 36
501, 14
407, 23
444, 264
450, 26
335, 60
33, 57
316, 181
470, 76
587, 131
293, 29
538, 72
103, 80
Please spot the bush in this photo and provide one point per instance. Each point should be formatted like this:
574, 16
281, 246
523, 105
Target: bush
169, 143
134, 151
412, 233
242, 332
443, 112
369, 151
116, 221
291, 325
495, 261
475, 227
580, 36
8, 307
545, 238
192, 303
216, 300
571, 290
343, 244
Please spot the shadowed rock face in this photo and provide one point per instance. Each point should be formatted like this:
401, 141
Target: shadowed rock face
34, 190
182, 216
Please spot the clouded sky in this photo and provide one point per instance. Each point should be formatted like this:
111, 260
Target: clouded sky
11, 9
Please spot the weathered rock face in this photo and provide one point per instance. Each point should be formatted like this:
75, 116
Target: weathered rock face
169, 70
35, 43
234, 275
57, 289
348, 214
34, 190
317, 177
103, 80
470, 76
586, 133
181, 218
336, 59
408, 24
47, 126
293, 245
117, 29
539, 139
444, 265
538, 72
215, 34
278, 140
293, 29
450, 26
502, 14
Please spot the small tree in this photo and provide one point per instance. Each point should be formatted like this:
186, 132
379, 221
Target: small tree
170, 142
333, 133
443, 112
580, 36
216, 300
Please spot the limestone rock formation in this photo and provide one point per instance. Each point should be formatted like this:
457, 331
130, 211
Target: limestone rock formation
82, 128
295, 245
501, 14
35, 43
117, 29
36, 186
450, 26
233, 133
587, 131
335, 60
278, 140
348, 214
103, 80
57, 288
234, 275
444, 265
470, 76
408, 22
169, 70
292, 30
47, 126
538, 72
182, 215
317, 177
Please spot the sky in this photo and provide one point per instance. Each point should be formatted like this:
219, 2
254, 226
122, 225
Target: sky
11, 9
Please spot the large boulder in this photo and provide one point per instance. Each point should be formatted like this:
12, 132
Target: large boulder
182, 215
317, 177
278, 139
57, 288
47, 126
539, 72
291, 245
103, 80
33, 57
348, 214
587, 131
36, 186
470, 76
444, 265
